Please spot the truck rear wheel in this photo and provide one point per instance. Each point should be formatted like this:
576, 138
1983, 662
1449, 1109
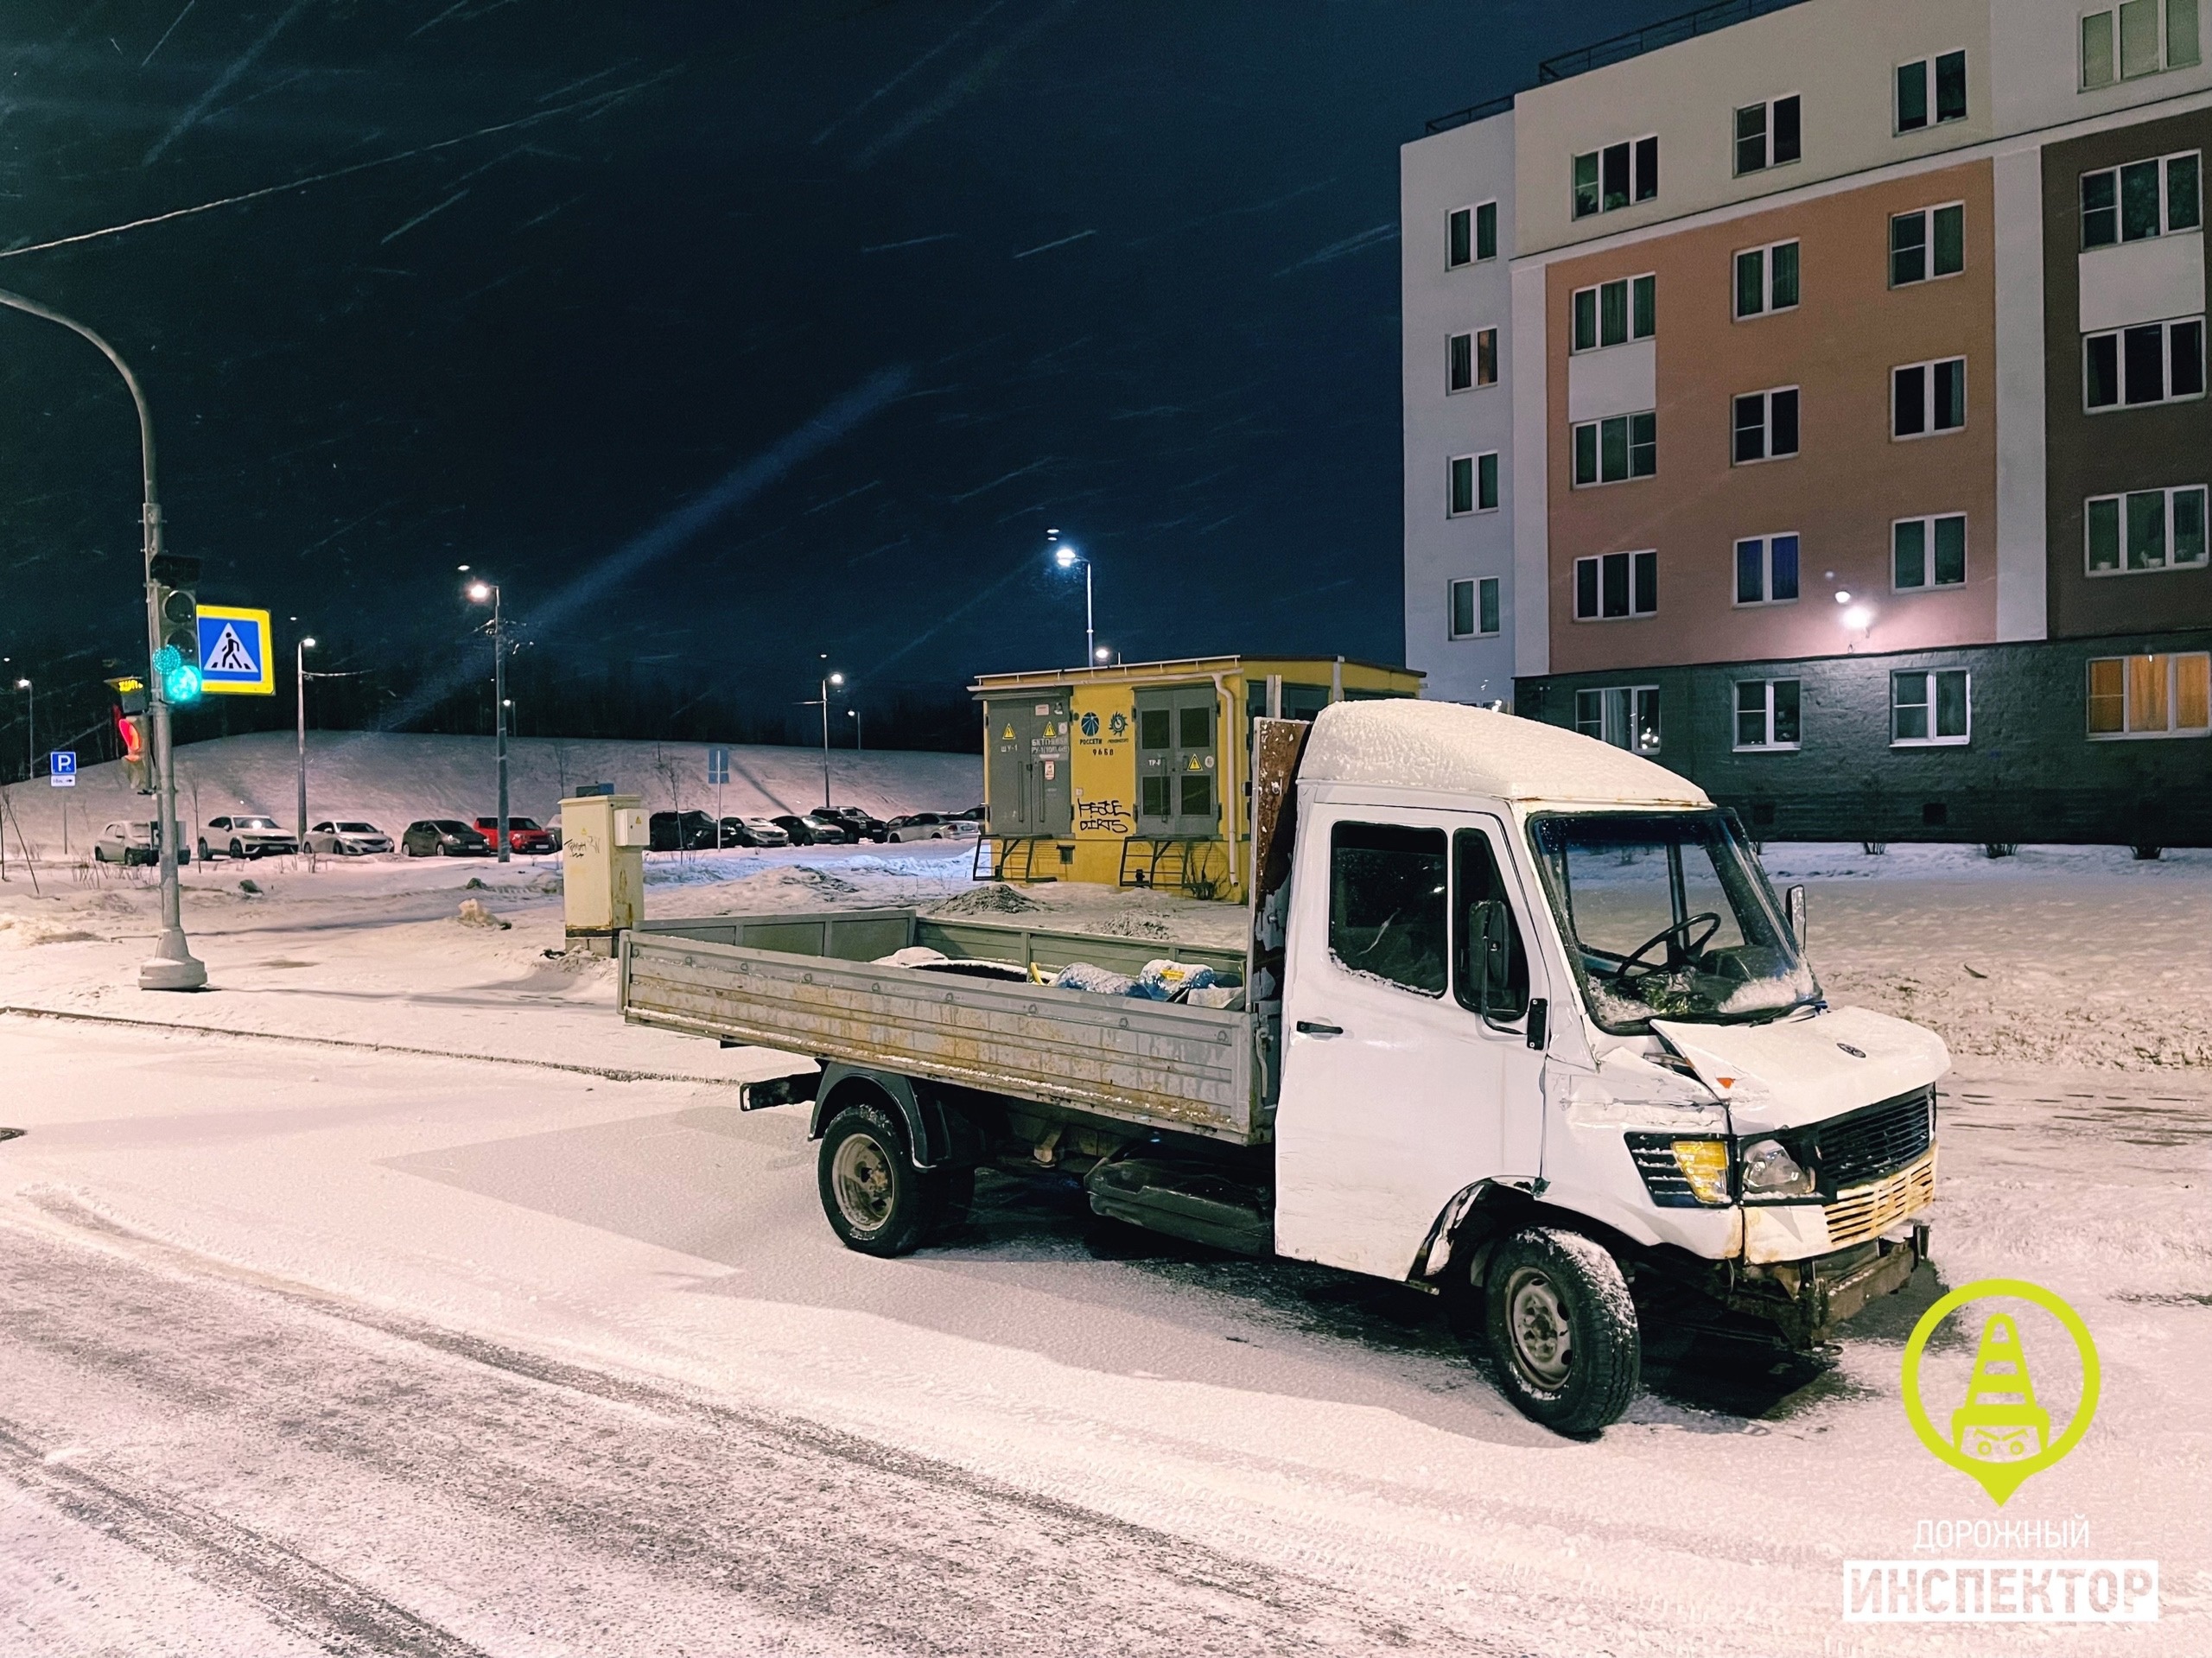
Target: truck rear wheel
1562, 1330
877, 1201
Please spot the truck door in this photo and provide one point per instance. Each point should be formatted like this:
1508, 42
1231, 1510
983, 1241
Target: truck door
1396, 1091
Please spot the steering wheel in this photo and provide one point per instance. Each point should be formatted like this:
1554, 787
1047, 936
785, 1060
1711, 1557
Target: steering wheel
1691, 946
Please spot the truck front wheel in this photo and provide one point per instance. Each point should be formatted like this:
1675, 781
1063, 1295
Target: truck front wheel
1562, 1330
877, 1201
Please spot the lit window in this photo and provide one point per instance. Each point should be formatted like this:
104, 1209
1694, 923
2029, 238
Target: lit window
1615, 586
2145, 530
1626, 716
2151, 695
2150, 36
1928, 708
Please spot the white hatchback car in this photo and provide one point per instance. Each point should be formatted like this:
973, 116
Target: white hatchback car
348, 838
128, 843
244, 835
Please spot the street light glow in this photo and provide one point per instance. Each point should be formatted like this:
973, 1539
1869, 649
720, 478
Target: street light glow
836, 679
1858, 618
1065, 557
306, 645
480, 591
23, 685
1100, 654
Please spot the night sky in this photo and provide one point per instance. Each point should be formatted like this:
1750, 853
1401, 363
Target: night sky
728, 333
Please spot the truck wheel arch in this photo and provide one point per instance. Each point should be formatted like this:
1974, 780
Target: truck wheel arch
937, 1136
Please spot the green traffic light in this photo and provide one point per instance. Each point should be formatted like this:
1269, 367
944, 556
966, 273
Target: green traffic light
183, 684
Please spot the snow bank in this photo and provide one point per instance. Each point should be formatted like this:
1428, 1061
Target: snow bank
1403, 743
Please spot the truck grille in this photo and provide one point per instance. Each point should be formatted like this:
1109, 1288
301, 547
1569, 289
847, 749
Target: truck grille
1869, 1211
1869, 1144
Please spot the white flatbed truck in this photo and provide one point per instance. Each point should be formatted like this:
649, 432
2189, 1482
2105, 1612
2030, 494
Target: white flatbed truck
1521, 1020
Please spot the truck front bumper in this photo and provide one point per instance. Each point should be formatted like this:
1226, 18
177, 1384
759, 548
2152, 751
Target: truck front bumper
1806, 1299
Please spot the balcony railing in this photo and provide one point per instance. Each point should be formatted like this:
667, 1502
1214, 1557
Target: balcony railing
1473, 113
1705, 20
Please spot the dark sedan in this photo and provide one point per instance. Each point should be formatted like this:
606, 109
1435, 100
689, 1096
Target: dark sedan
812, 831
444, 837
681, 832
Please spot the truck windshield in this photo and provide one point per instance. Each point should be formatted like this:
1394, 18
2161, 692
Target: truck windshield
1667, 914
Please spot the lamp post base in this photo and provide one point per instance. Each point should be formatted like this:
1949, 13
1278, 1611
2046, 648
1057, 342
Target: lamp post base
171, 966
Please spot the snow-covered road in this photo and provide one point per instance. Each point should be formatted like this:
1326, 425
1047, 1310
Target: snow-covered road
501, 1327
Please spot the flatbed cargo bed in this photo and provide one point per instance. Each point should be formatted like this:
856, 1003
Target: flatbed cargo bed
809, 982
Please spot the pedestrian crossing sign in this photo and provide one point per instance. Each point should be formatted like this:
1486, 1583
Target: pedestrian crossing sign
234, 653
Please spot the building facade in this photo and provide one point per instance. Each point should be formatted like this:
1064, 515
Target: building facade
1859, 434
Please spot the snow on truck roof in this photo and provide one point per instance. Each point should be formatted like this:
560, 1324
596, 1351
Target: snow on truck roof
1403, 743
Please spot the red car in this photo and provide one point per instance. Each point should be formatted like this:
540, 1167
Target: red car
524, 833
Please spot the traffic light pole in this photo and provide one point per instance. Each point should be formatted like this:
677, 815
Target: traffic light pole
171, 966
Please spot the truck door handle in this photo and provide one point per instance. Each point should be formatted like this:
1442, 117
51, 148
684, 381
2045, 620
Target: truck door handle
1319, 1027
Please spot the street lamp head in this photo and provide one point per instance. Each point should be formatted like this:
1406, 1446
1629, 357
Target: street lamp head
1857, 619
306, 645
1100, 654
1065, 557
836, 679
23, 685
480, 591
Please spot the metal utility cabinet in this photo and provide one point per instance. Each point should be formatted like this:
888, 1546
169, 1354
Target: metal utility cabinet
1139, 774
602, 867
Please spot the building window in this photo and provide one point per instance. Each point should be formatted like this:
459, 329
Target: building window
2156, 362
1614, 586
1626, 716
2142, 200
2150, 36
1766, 425
1766, 714
1470, 360
1474, 484
1927, 243
1927, 552
2145, 530
1937, 86
1611, 178
1474, 608
2150, 696
1928, 708
1766, 570
1766, 279
1620, 447
1766, 134
1471, 234
1614, 313
1926, 397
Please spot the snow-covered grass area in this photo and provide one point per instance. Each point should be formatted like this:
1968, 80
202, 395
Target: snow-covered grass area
1313, 1423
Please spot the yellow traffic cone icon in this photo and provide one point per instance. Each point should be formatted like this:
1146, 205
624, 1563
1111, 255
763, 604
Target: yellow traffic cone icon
2001, 1420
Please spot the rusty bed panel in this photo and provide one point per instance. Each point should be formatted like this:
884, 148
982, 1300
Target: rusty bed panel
1161, 1064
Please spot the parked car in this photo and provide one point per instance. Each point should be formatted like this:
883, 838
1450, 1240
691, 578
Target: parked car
751, 831
918, 826
524, 833
977, 814
681, 832
443, 837
245, 835
864, 827
812, 831
131, 843
348, 838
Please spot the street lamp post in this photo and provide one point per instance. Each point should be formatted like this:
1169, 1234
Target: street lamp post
1067, 558
299, 669
171, 966
479, 592
829, 680
854, 715
30, 728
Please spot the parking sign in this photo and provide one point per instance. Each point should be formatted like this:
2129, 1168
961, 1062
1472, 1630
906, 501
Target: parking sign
61, 768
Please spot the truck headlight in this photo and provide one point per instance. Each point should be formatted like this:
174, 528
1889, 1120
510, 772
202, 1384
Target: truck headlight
1680, 1173
1771, 1171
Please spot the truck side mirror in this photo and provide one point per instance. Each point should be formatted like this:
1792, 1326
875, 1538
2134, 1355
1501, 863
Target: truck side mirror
1794, 902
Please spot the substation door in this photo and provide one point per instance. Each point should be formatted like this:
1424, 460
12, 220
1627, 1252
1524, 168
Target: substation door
1029, 747
1179, 783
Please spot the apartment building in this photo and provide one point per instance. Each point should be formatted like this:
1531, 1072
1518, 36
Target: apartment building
1860, 444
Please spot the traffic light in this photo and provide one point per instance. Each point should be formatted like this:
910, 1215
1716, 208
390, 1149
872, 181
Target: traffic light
130, 726
176, 611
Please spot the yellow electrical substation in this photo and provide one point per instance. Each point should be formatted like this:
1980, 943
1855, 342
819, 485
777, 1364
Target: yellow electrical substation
1139, 774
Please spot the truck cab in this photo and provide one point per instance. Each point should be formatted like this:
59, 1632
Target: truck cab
1535, 987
